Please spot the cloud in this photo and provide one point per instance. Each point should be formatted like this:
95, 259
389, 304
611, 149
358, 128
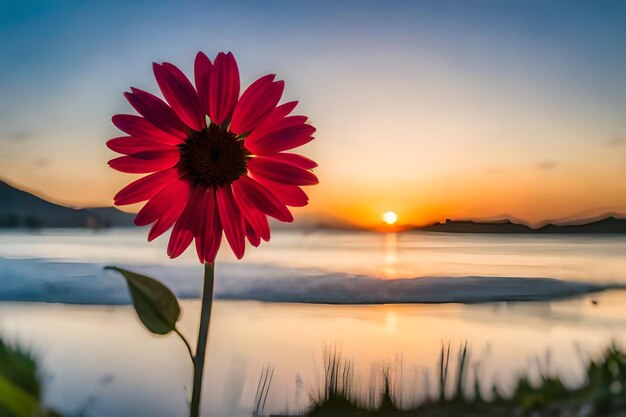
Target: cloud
546, 165
617, 141
42, 162
17, 136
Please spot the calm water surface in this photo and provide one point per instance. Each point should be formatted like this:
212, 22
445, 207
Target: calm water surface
99, 358
594, 258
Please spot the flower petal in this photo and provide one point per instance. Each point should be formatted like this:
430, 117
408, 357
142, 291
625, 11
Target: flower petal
164, 208
140, 127
129, 145
278, 114
186, 225
209, 234
258, 221
163, 224
154, 110
201, 73
180, 95
281, 172
256, 104
251, 194
293, 159
232, 220
254, 217
145, 188
253, 237
288, 133
145, 162
224, 91
290, 195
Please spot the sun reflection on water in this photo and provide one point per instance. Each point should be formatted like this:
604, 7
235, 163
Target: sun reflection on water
390, 255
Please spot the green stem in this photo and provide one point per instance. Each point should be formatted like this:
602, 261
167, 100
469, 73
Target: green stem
203, 334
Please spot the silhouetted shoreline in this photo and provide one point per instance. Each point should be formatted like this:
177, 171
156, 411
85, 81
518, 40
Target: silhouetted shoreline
606, 225
20, 209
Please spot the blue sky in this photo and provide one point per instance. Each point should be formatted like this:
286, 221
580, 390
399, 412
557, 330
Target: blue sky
421, 107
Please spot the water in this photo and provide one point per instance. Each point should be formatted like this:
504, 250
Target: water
596, 258
101, 352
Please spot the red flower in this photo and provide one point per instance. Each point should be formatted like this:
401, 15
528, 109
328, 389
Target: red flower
227, 174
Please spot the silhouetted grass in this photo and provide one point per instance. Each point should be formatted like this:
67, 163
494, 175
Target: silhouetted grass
601, 394
340, 393
262, 390
20, 386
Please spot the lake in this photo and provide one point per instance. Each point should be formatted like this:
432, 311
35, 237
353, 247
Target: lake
98, 358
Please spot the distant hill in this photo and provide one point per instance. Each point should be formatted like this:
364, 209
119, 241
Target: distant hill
20, 209
606, 225
470, 226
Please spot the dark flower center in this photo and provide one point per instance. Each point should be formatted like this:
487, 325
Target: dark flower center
213, 157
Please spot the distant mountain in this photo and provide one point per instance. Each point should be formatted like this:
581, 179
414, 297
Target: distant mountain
470, 226
20, 209
606, 225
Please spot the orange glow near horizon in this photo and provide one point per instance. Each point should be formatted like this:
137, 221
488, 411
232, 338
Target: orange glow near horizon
398, 123
523, 194
439, 168
519, 194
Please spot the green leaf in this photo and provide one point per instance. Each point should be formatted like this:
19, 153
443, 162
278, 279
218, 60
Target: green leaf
155, 304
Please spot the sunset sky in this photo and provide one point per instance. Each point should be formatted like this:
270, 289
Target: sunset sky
431, 109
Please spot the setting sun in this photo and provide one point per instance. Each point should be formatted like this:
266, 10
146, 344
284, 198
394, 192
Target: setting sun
390, 217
